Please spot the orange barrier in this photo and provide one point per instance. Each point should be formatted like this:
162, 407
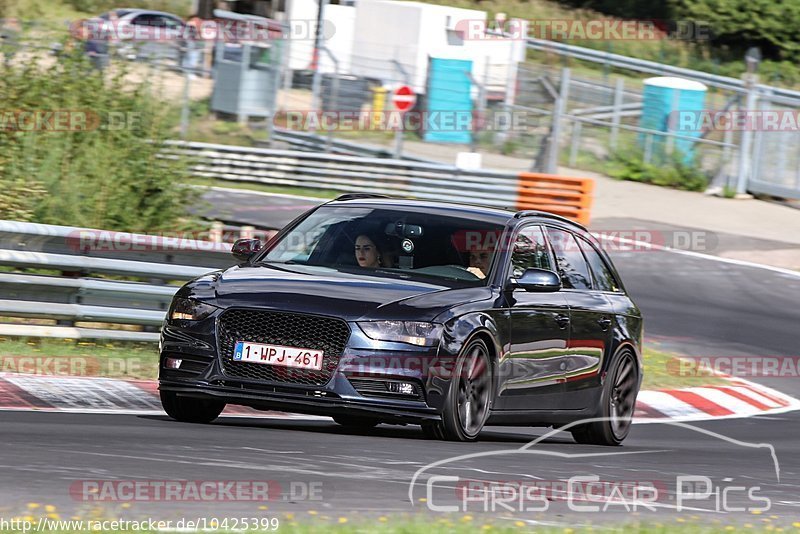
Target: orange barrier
563, 195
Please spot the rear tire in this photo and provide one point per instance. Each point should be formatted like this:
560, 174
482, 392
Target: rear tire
468, 401
617, 401
190, 410
355, 421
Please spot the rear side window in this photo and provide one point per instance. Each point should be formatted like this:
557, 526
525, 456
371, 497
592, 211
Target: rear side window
603, 277
530, 251
572, 266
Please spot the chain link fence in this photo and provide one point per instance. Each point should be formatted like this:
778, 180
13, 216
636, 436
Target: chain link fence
550, 110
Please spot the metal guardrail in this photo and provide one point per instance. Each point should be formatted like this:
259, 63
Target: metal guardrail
652, 67
76, 295
435, 181
317, 143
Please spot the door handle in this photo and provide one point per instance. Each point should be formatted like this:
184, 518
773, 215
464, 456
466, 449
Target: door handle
562, 320
604, 323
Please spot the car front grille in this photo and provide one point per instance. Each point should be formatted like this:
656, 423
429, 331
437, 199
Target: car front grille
279, 328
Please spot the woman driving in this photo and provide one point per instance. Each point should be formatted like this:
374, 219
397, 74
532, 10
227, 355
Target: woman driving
367, 252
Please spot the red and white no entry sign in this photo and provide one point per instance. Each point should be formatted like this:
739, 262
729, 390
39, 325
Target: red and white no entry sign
404, 98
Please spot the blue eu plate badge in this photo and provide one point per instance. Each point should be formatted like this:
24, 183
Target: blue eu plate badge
237, 353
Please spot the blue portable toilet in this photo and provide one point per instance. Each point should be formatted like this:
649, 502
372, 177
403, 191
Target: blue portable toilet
663, 99
449, 101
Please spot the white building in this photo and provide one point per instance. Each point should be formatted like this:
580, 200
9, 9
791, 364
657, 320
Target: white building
392, 41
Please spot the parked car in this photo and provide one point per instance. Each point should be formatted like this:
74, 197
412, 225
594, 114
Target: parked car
382, 310
143, 33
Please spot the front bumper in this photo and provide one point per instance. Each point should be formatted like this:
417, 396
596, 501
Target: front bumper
351, 389
309, 402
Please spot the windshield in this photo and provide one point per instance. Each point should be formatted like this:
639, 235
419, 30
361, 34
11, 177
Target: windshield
391, 243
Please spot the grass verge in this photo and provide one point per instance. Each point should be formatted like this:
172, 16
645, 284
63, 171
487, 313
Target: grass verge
123, 360
338, 523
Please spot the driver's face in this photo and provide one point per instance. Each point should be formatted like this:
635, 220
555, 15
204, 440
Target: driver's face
366, 252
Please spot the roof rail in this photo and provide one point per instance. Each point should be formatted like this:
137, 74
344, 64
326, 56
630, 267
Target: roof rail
353, 196
538, 213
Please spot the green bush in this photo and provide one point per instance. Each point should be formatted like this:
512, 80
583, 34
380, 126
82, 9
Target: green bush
671, 171
109, 176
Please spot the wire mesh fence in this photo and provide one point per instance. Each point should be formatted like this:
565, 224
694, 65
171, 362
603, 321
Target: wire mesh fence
534, 110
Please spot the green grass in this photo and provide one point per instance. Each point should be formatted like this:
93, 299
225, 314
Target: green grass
140, 360
662, 371
349, 523
124, 360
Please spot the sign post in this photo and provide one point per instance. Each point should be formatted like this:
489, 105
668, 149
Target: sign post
403, 99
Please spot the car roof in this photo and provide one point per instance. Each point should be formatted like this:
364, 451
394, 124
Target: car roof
486, 213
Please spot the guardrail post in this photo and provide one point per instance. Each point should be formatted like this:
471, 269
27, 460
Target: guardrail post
576, 141
619, 93
551, 166
648, 148
746, 142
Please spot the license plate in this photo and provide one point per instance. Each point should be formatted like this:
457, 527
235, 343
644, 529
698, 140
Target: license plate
278, 355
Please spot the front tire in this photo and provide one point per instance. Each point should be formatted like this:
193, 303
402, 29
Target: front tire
617, 401
468, 401
190, 410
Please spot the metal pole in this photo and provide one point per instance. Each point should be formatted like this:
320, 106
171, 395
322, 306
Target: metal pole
482, 96
316, 80
576, 141
398, 133
676, 102
745, 144
648, 148
616, 116
329, 141
185, 107
555, 132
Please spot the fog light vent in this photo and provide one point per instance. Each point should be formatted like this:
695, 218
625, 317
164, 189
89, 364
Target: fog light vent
375, 387
403, 388
172, 363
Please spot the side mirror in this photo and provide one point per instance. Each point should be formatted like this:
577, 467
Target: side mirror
538, 281
244, 249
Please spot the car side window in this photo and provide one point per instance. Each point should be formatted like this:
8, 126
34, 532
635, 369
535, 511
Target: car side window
572, 266
530, 251
603, 277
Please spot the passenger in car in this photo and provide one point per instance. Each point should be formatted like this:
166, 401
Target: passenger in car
367, 252
480, 259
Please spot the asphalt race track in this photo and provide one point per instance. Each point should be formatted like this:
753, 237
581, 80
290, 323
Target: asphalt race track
318, 466
315, 468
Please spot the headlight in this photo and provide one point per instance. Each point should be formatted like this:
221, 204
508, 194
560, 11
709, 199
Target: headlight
189, 310
415, 333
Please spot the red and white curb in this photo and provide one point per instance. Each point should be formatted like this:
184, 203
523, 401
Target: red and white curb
736, 398
47, 393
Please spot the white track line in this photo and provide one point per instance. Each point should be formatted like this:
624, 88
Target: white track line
700, 255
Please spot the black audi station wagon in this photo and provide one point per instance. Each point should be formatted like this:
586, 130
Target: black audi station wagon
374, 310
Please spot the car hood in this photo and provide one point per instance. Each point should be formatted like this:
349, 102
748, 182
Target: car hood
322, 291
